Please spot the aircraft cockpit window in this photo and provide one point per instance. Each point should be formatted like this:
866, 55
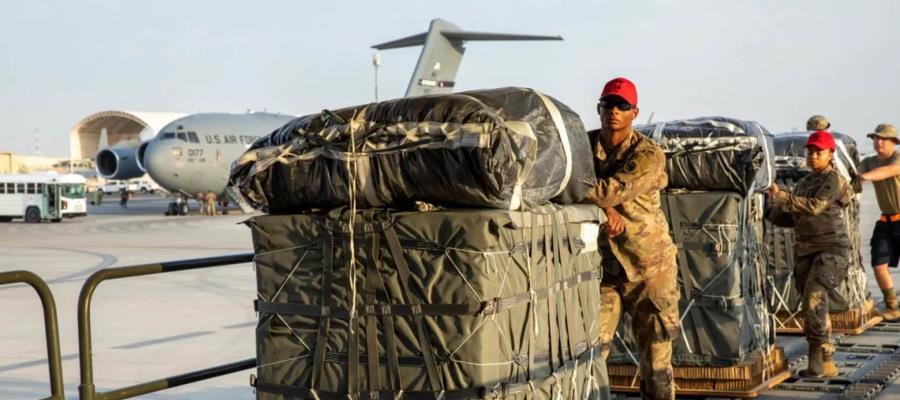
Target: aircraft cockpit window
193, 137
168, 135
182, 136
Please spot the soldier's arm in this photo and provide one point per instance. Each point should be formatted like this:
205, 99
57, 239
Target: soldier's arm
639, 175
813, 205
881, 173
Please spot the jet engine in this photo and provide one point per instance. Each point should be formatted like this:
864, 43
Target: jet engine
119, 163
139, 155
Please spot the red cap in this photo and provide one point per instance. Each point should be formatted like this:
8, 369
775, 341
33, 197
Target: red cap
821, 139
621, 87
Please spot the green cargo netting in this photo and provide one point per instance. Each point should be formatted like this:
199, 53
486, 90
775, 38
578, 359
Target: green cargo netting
721, 275
449, 304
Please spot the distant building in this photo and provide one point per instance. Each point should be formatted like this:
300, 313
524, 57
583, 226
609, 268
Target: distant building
11, 163
115, 128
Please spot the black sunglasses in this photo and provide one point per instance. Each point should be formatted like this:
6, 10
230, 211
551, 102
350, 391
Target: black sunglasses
608, 104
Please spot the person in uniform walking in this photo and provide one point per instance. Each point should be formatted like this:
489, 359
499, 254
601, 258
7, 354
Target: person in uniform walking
123, 198
815, 208
883, 170
211, 203
639, 269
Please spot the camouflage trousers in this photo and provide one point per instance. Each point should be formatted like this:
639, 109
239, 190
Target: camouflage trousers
816, 274
653, 306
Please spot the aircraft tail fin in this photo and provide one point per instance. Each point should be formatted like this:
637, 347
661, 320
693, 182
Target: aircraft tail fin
442, 52
103, 142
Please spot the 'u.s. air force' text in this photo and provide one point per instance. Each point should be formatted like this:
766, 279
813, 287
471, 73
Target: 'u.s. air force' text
230, 139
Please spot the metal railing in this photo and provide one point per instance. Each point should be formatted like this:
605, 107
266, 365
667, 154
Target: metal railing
51, 327
87, 390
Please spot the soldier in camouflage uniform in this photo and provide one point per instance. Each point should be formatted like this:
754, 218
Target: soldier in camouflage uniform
639, 270
816, 209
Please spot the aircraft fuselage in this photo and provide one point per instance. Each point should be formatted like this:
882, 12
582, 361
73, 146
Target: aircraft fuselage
193, 154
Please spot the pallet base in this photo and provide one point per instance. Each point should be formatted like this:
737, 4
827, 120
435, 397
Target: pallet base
745, 380
848, 322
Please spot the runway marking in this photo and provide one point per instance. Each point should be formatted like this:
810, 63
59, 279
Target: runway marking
167, 339
33, 363
240, 325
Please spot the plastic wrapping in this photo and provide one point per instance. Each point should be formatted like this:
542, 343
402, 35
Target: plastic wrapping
506, 148
792, 144
715, 153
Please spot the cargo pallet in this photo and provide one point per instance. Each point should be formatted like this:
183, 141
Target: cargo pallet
850, 322
745, 380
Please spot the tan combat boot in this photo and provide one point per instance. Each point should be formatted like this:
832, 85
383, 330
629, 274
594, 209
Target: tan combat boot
891, 311
829, 368
815, 365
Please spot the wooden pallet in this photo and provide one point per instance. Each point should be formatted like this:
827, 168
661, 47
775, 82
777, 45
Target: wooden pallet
848, 322
745, 380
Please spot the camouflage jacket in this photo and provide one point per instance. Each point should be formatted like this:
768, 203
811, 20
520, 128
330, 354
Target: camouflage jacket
630, 180
816, 207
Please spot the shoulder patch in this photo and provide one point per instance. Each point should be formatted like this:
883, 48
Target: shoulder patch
631, 166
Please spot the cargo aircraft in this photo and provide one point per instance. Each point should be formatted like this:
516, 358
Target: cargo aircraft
193, 154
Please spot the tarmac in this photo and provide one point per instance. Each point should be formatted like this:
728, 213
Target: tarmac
151, 327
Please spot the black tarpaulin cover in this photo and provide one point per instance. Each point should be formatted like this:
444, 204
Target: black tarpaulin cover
501, 148
715, 153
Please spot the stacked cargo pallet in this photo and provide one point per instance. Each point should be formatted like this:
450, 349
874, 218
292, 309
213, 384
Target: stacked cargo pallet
716, 167
426, 248
852, 310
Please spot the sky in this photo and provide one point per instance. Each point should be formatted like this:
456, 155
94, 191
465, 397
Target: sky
773, 61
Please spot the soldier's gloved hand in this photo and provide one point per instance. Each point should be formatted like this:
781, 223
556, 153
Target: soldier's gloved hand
615, 224
856, 183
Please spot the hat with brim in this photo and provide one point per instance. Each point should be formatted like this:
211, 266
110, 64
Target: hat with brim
884, 131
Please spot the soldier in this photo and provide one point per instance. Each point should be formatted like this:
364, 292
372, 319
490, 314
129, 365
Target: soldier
211, 203
201, 199
822, 249
883, 169
639, 270
817, 123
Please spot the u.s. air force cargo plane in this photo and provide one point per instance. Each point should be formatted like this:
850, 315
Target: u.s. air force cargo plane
193, 154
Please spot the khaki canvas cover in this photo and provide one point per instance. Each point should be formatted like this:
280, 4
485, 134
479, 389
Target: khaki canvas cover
447, 304
501, 148
721, 271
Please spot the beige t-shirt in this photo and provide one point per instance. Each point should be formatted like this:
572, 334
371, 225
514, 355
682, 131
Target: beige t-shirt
887, 191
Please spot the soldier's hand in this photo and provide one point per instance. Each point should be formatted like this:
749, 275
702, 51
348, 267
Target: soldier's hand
773, 190
615, 224
856, 184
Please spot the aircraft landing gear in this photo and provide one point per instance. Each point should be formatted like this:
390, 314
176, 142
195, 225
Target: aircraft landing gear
178, 207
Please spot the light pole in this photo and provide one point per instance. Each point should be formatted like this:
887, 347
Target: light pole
376, 62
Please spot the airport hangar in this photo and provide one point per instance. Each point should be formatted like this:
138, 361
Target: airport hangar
118, 128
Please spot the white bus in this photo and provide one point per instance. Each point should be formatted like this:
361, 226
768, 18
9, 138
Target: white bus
73, 195
41, 197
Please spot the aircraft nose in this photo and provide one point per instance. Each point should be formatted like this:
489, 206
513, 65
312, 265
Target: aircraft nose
158, 161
